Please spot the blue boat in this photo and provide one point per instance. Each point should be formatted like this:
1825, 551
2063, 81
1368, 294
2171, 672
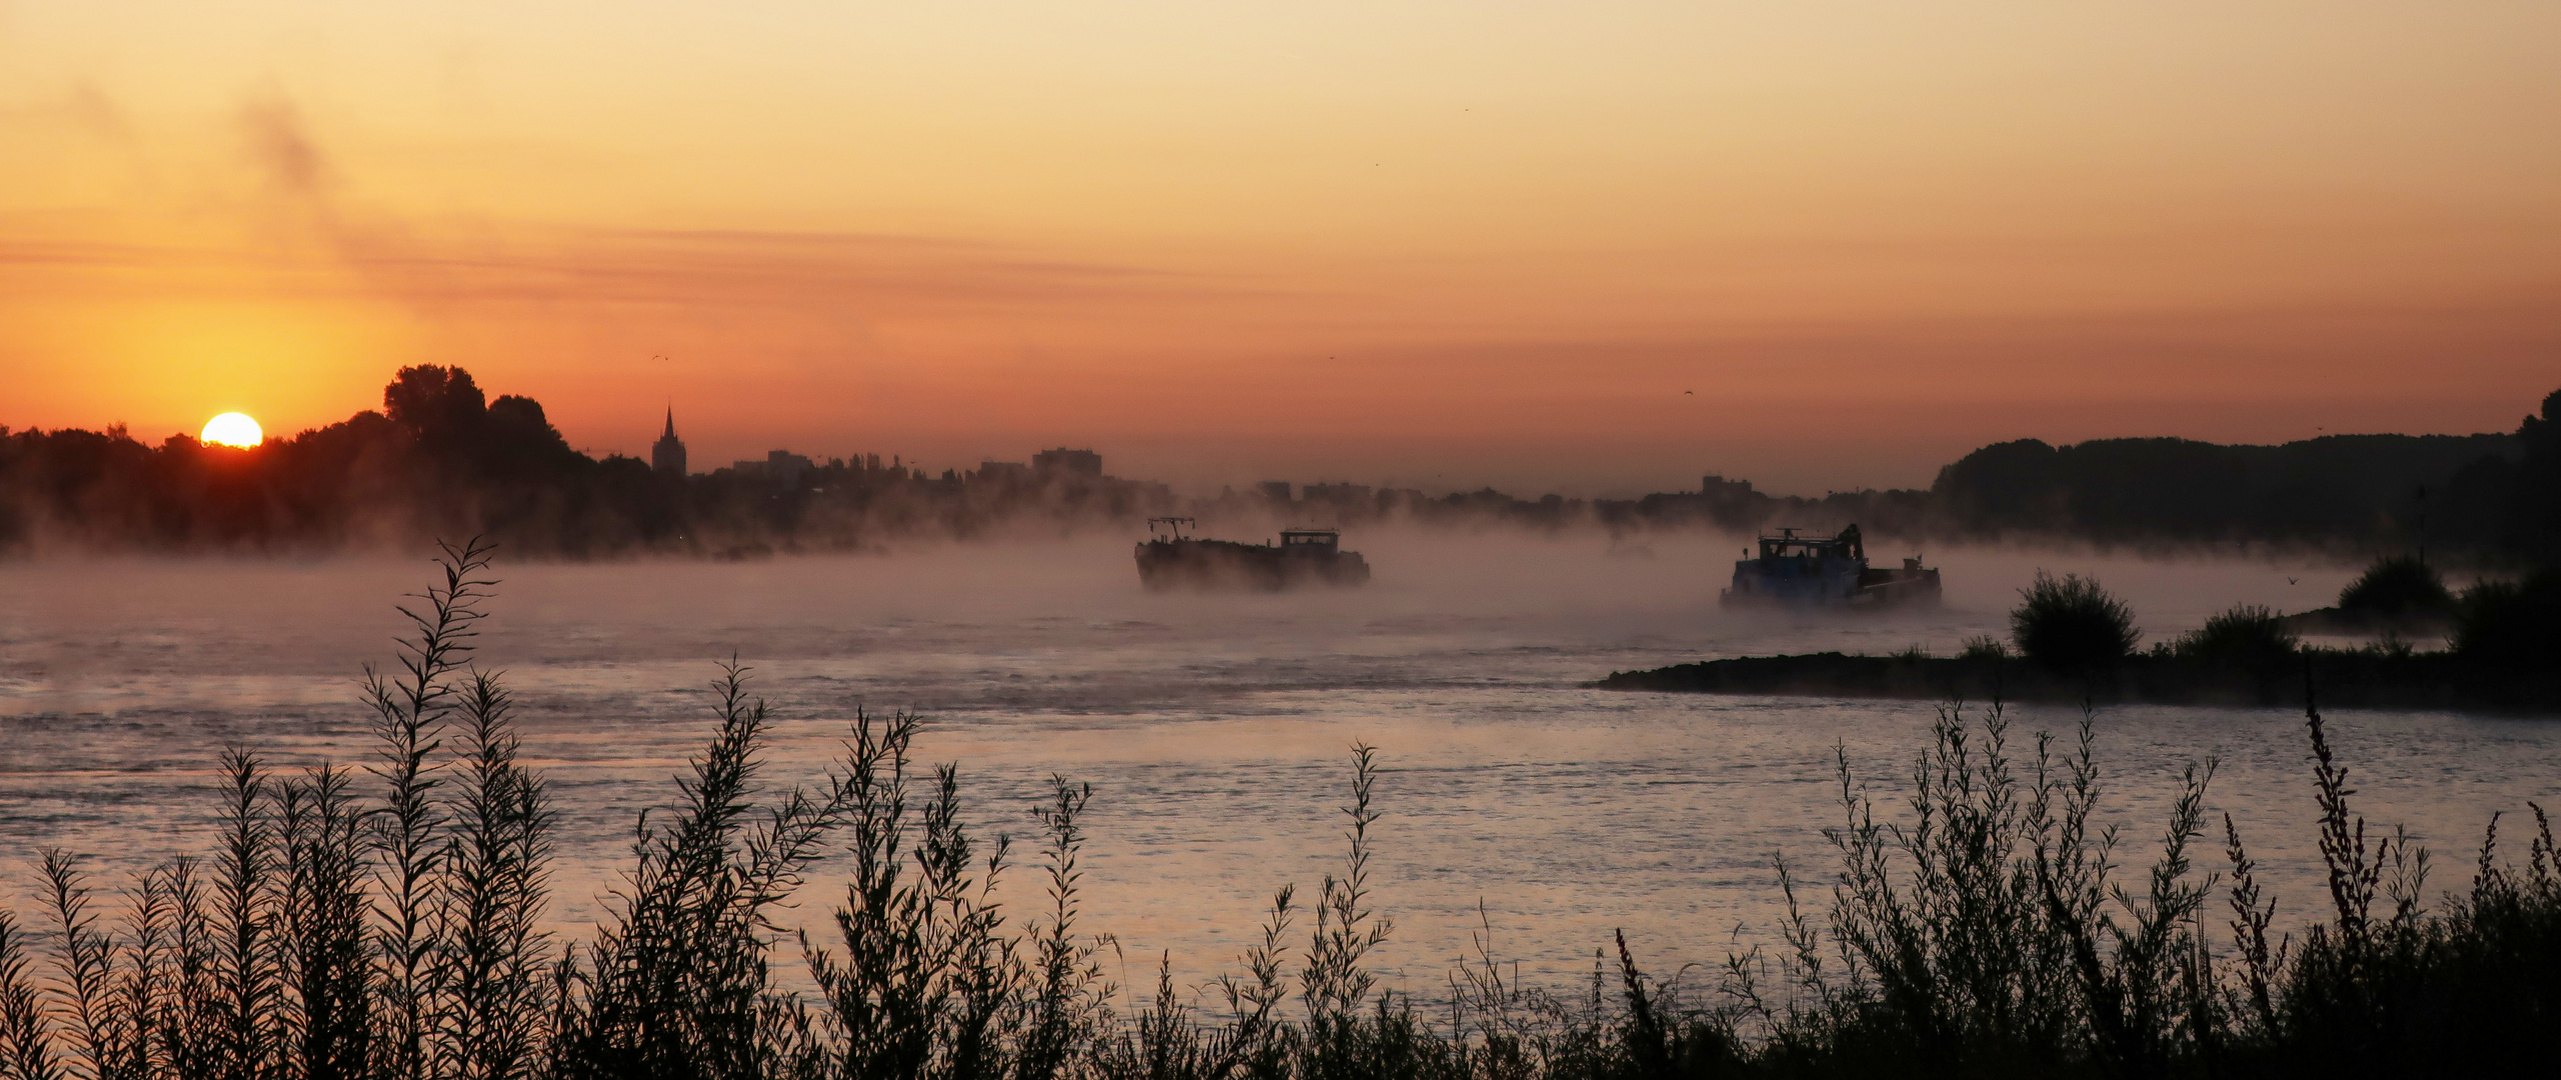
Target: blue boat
1818, 571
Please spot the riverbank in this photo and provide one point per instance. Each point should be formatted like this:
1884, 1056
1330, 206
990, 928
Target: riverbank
2372, 679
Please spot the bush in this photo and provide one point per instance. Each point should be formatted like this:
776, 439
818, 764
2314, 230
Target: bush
2513, 626
1984, 647
2071, 623
2397, 587
2249, 635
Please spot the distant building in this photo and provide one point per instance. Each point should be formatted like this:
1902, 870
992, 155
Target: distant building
1066, 462
667, 455
1011, 472
1723, 495
786, 468
1715, 486
782, 468
1274, 490
1340, 494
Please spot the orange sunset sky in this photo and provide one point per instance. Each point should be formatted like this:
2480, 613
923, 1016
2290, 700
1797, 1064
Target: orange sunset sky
1433, 243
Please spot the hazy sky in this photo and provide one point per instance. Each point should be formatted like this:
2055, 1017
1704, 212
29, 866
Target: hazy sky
1599, 246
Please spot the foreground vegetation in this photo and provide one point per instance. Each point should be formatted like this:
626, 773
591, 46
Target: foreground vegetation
390, 921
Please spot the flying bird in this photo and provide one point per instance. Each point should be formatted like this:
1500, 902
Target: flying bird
2289, 581
1689, 391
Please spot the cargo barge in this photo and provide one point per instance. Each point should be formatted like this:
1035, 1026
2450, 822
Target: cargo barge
1817, 571
1170, 560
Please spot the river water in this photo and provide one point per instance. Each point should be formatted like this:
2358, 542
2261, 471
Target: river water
1215, 730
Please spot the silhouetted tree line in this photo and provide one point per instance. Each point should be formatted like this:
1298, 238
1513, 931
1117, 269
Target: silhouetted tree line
2139, 489
440, 458
2490, 495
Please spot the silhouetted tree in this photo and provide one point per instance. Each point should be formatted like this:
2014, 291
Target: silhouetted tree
442, 407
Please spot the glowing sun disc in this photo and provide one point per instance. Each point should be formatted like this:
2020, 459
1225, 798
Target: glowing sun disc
232, 429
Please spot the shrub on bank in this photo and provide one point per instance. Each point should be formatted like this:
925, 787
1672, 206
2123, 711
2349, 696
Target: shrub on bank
2247, 636
2397, 588
2071, 623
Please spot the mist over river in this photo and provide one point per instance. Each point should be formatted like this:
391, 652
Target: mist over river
1214, 730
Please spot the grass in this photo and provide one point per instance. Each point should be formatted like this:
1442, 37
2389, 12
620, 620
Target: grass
389, 922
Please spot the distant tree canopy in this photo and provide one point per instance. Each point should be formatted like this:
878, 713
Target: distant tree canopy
2177, 489
2514, 498
434, 402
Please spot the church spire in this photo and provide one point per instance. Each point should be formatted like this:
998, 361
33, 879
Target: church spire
668, 455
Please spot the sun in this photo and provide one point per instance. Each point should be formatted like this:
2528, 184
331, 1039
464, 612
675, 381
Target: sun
233, 429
